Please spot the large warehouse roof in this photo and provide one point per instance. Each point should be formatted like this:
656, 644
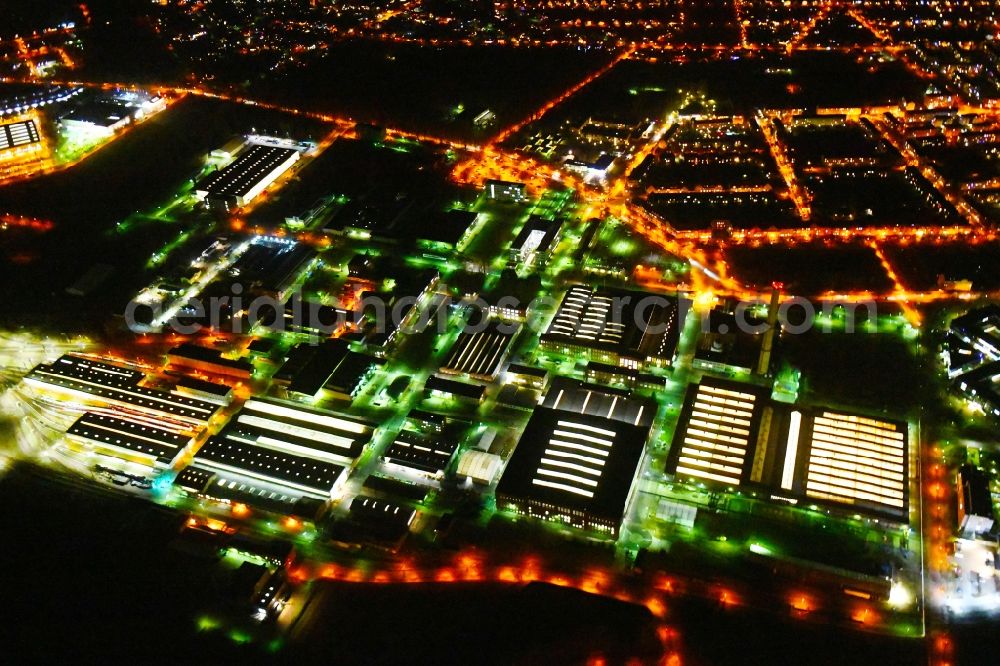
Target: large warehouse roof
104, 383
575, 464
857, 459
296, 471
629, 324
109, 433
252, 166
17, 134
287, 426
717, 433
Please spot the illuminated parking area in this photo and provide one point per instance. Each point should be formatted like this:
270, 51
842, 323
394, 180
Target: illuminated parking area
717, 433
857, 459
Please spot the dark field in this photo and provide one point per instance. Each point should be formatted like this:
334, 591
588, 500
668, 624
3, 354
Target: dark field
638, 89
355, 168
919, 266
420, 88
469, 623
90, 576
810, 269
876, 371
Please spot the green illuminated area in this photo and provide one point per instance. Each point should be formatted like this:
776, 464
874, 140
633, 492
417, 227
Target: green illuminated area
618, 252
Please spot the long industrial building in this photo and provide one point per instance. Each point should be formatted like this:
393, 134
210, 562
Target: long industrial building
857, 460
627, 328
102, 384
272, 445
133, 441
256, 167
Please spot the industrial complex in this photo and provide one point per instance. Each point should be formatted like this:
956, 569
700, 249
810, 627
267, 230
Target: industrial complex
639, 324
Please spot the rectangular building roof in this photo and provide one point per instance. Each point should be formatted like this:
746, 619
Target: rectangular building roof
536, 235
383, 519
575, 462
186, 353
300, 472
350, 373
717, 433
420, 453
479, 353
17, 134
858, 460
251, 167
599, 401
314, 373
630, 324
461, 389
102, 382
271, 265
293, 428
111, 432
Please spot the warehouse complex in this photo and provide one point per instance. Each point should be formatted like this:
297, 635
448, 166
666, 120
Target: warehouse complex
732, 435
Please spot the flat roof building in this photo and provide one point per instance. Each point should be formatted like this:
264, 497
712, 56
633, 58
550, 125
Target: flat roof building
858, 460
211, 361
18, 134
573, 468
97, 117
381, 519
627, 328
420, 453
603, 402
452, 388
255, 168
479, 467
506, 191
130, 440
479, 353
20, 97
270, 266
204, 390
717, 433
98, 383
975, 503
535, 240
285, 445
